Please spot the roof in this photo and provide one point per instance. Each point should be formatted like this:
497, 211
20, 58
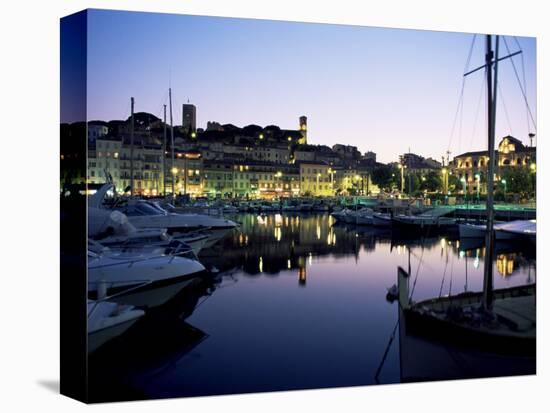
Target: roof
473, 153
321, 163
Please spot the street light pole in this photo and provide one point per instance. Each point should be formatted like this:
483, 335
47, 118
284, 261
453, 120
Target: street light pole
478, 179
402, 178
132, 146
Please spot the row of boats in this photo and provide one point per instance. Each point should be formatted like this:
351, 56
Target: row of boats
141, 253
436, 219
266, 206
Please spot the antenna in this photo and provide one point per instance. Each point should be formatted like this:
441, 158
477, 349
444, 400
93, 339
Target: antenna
164, 155
132, 147
172, 144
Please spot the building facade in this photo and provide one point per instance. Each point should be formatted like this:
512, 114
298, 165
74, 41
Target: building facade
315, 179
471, 167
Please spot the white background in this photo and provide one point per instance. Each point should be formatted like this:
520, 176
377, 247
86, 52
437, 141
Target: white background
29, 134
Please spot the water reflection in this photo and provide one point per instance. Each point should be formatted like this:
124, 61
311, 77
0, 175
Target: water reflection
300, 303
270, 244
121, 369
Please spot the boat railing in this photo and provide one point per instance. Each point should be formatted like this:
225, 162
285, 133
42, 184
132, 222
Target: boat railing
103, 286
129, 262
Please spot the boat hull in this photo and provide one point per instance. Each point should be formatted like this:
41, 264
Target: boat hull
100, 337
381, 221
421, 322
150, 295
471, 231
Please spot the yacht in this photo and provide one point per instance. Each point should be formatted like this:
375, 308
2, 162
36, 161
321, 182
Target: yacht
142, 278
144, 214
517, 230
107, 320
361, 215
364, 216
468, 230
510, 231
434, 218
157, 237
340, 215
380, 219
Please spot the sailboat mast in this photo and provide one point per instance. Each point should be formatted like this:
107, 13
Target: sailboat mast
131, 146
164, 156
172, 174
489, 237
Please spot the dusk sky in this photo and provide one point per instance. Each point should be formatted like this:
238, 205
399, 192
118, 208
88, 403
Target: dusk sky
380, 89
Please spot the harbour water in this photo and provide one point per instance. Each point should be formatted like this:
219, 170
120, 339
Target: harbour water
297, 302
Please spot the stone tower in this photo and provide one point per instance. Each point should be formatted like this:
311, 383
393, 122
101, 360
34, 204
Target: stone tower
303, 129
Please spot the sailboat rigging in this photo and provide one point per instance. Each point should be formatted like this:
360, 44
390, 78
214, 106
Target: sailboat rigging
495, 320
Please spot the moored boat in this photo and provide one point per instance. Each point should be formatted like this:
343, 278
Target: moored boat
145, 279
107, 320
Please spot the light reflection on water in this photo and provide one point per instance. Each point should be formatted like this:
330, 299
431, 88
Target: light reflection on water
301, 304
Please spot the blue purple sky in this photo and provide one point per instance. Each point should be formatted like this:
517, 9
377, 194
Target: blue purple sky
380, 89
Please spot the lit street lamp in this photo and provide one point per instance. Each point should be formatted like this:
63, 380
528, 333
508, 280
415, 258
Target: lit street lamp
318, 176
402, 167
331, 173
504, 183
279, 174
174, 171
478, 180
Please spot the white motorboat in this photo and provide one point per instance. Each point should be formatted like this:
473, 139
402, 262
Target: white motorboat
517, 230
142, 214
107, 320
380, 219
320, 206
434, 218
268, 207
340, 216
156, 237
230, 209
305, 206
359, 216
467, 230
504, 231
143, 278
364, 216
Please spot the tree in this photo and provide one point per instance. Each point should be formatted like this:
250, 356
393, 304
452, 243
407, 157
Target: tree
385, 177
432, 182
517, 181
455, 184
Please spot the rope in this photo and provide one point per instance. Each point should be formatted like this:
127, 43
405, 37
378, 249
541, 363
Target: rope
524, 80
386, 351
482, 93
419, 264
461, 96
451, 276
444, 274
519, 83
505, 109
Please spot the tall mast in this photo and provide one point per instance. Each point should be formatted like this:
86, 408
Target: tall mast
164, 156
172, 174
131, 146
487, 303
